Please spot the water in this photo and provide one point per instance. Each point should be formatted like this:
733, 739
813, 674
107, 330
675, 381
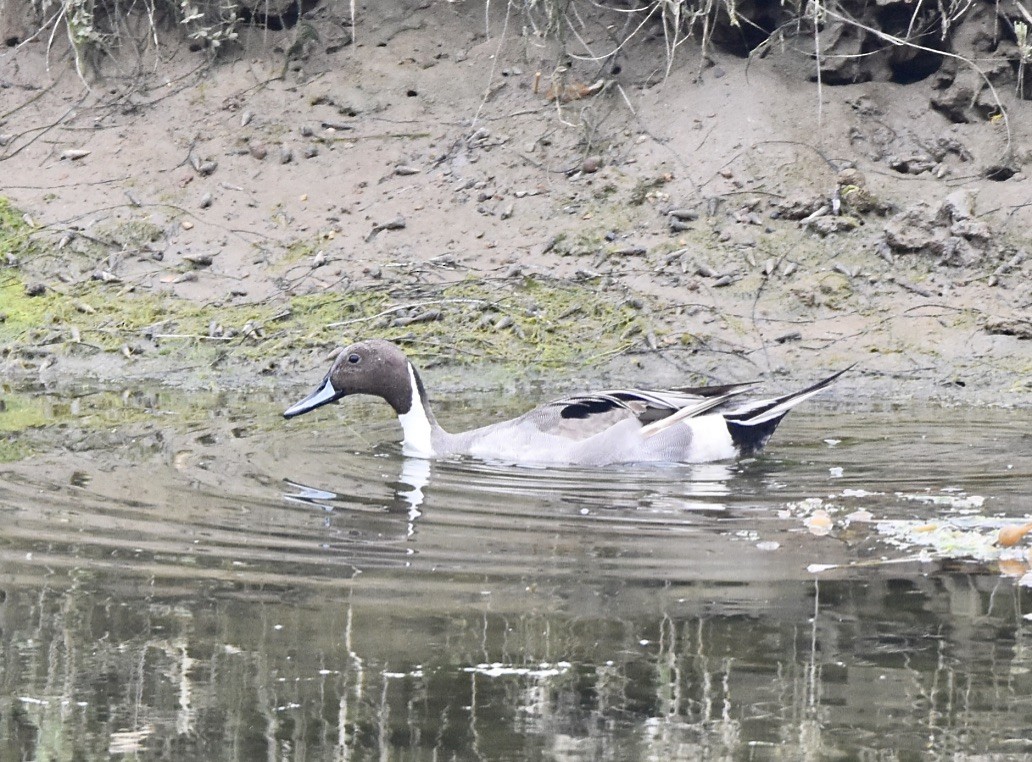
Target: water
219, 584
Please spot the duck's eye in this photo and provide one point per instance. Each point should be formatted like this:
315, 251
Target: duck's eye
354, 359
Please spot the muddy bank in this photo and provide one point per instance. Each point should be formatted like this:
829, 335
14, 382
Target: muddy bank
713, 218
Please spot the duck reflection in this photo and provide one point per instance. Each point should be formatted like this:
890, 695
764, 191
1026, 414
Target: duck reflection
672, 489
406, 495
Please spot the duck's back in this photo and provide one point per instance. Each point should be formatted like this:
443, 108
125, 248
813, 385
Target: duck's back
589, 431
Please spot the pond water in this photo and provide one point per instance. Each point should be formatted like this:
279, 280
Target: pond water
227, 585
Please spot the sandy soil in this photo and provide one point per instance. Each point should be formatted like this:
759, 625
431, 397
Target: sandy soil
422, 149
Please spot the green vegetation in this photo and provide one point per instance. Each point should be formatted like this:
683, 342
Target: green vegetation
517, 322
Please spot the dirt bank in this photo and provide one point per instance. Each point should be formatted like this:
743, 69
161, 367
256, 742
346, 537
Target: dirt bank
680, 219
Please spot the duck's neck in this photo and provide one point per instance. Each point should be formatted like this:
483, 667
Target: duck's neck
418, 423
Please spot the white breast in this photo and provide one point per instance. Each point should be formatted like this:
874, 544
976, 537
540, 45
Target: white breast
417, 442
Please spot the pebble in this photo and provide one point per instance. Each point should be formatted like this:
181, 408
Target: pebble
35, 289
285, 155
631, 251
198, 260
685, 215
206, 200
257, 150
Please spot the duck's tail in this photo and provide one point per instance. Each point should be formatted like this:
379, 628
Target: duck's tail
751, 426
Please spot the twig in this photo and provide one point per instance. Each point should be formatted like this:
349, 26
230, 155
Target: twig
192, 336
402, 307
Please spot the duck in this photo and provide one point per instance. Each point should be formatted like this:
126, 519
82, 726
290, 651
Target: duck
623, 426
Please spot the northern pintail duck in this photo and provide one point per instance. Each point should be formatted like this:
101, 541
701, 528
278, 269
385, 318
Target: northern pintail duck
685, 425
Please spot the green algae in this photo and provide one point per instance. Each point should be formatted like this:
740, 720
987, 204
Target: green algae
518, 322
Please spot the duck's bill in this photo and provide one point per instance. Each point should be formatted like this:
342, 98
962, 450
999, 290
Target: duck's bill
324, 395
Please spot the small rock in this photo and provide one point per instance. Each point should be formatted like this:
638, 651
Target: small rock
310, 152
686, 215
198, 260
405, 170
591, 165
285, 155
905, 233
35, 289
74, 154
959, 205
630, 251
975, 231
1018, 326
955, 251
955, 103
824, 226
206, 200
257, 150
798, 207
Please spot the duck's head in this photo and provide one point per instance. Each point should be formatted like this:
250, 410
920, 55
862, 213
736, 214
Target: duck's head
375, 367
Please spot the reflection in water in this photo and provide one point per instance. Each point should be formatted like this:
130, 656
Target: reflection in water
215, 596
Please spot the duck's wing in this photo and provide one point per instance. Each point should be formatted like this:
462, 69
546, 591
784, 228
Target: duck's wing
584, 415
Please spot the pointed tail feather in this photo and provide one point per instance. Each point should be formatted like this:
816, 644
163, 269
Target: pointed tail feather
752, 426
690, 411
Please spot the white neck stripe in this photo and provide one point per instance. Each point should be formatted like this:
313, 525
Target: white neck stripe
418, 442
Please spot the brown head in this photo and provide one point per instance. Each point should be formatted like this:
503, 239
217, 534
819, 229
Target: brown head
375, 367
